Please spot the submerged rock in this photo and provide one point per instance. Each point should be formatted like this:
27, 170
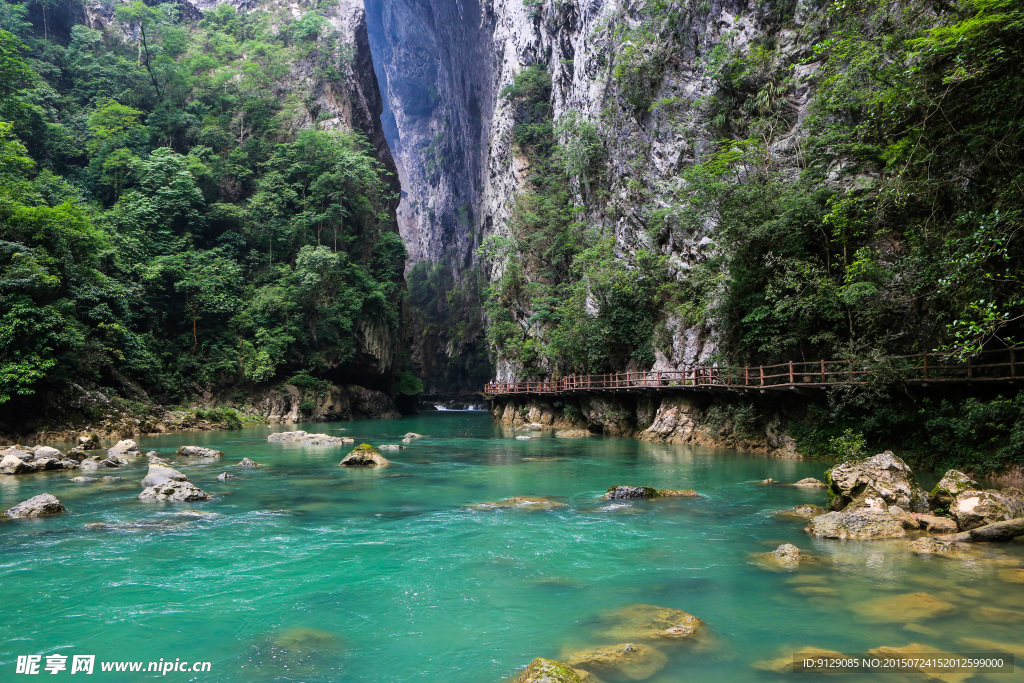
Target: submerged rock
933, 546
953, 482
885, 474
161, 474
903, 608
224, 476
175, 491
543, 670
787, 552
199, 452
651, 622
783, 664
43, 505
83, 480
412, 435
769, 480
630, 492
364, 455
810, 483
628, 660
521, 502
572, 433
124, 448
246, 462
389, 447
858, 524
972, 508
304, 639
678, 493
802, 512
285, 437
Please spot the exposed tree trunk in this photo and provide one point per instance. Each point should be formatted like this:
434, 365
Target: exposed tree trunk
999, 531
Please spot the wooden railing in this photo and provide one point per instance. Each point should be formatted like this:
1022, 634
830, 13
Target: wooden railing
988, 366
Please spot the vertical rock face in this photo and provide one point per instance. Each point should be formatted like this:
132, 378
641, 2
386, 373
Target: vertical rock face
446, 63
435, 68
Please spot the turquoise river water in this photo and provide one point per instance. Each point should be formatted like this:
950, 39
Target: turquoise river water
309, 572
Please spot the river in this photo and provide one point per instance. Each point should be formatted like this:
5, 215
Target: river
307, 571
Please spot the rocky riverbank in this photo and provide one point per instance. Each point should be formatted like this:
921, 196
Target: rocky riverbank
93, 413
672, 418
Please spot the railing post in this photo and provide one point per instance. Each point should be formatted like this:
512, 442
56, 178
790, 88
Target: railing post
790, 372
925, 369
762, 374
823, 371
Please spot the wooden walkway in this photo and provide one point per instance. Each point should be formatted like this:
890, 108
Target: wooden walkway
1000, 365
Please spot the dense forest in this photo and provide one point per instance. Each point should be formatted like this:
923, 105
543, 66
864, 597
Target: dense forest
178, 212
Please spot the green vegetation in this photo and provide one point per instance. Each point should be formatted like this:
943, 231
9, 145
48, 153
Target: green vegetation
173, 219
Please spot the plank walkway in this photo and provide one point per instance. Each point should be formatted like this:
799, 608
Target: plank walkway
1000, 365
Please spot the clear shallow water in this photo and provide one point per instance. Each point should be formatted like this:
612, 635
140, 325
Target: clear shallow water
402, 583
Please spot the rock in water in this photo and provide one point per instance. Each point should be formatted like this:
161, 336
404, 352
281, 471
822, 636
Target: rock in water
884, 473
858, 524
543, 670
246, 462
285, 437
802, 512
89, 443
47, 452
224, 476
787, 552
12, 464
199, 452
972, 509
412, 435
678, 493
161, 474
390, 447
630, 492
520, 502
953, 482
572, 433
83, 480
810, 483
364, 455
769, 481
126, 448
651, 622
175, 491
38, 506
934, 524
628, 660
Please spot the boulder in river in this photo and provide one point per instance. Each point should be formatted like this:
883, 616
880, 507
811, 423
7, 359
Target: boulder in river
973, 508
787, 552
175, 491
389, 447
46, 452
953, 482
572, 433
630, 492
12, 464
83, 480
89, 442
224, 476
768, 481
934, 524
199, 452
884, 473
306, 439
125, 448
542, 670
42, 505
246, 462
364, 455
412, 435
858, 524
810, 483
625, 660
161, 474
651, 622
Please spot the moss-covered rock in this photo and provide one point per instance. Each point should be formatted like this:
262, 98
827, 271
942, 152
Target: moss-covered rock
651, 623
542, 670
953, 482
626, 660
885, 474
678, 493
